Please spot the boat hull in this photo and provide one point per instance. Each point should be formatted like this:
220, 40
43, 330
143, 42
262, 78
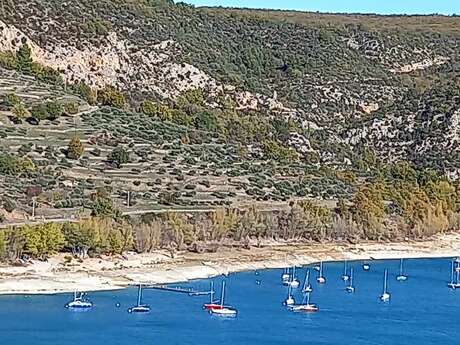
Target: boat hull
224, 312
307, 308
139, 309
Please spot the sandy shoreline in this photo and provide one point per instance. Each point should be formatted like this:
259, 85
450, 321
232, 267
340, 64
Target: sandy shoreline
109, 273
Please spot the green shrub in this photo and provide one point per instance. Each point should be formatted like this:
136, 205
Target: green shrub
119, 156
46, 74
10, 100
71, 108
20, 111
24, 59
110, 96
86, 92
13, 166
8, 60
47, 111
75, 149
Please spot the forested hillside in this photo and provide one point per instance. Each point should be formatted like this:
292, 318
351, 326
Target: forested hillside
119, 106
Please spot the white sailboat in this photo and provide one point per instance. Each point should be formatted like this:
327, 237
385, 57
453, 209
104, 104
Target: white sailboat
139, 307
350, 288
401, 277
289, 300
306, 285
285, 276
223, 310
306, 306
366, 266
454, 283
385, 296
321, 279
345, 276
78, 302
212, 303
294, 283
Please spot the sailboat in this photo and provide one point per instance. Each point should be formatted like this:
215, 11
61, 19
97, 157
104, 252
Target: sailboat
345, 276
285, 276
78, 302
350, 288
289, 300
292, 281
320, 279
306, 306
212, 303
366, 266
454, 283
385, 296
139, 308
223, 310
401, 277
306, 285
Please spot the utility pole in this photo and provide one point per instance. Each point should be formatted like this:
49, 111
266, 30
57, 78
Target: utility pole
33, 208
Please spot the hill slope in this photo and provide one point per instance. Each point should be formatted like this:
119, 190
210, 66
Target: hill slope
281, 96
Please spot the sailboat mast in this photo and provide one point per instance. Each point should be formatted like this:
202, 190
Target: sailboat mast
458, 275
212, 291
307, 279
308, 298
452, 272
222, 295
345, 267
401, 267
385, 282
139, 295
321, 269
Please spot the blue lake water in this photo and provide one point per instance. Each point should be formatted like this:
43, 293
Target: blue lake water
422, 311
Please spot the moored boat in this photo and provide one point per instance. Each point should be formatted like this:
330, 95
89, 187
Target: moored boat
223, 310
401, 277
212, 304
140, 307
350, 288
321, 279
79, 302
306, 306
385, 296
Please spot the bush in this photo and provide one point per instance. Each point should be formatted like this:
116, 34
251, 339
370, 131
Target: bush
20, 111
46, 74
111, 97
86, 92
10, 100
8, 60
9, 205
11, 165
158, 110
47, 111
75, 149
71, 108
119, 156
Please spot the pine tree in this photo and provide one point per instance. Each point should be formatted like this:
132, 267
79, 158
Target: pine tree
24, 59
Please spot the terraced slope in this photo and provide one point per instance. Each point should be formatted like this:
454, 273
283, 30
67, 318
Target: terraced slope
292, 103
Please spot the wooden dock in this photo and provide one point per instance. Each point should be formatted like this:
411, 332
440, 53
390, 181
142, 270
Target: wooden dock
177, 289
